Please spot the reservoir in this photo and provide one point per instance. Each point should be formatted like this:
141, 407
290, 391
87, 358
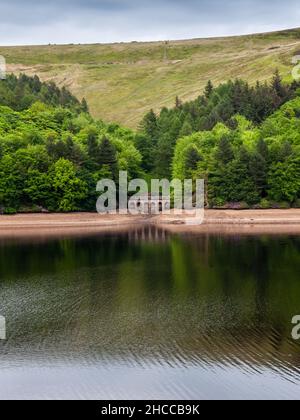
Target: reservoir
148, 314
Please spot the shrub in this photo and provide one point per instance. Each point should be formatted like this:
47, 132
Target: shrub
10, 210
265, 204
296, 204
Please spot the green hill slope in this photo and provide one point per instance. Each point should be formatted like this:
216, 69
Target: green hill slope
121, 82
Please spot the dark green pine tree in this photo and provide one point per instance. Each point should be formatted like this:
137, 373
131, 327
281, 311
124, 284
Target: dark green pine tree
93, 150
224, 153
239, 184
149, 125
258, 168
191, 161
186, 128
108, 156
285, 151
73, 152
208, 89
263, 149
107, 152
277, 85
84, 106
146, 140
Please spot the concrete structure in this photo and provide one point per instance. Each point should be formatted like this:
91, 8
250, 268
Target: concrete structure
148, 204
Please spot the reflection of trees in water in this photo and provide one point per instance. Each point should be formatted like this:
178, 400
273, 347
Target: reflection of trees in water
147, 294
44, 255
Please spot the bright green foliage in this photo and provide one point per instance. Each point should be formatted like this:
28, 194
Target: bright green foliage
53, 157
68, 189
284, 180
10, 183
246, 164
216, 105
238, 138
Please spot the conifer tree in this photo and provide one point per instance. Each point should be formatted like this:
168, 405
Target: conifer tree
92, 146
259, 172
262, 149
84, 106
208, 89
277, 84
186, 129
107, 152
224, 153
108, 157
149, 125
191, 161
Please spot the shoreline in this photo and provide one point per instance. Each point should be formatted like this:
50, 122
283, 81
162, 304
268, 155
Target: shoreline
216, 221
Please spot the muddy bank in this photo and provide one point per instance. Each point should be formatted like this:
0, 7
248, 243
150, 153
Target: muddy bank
216, 221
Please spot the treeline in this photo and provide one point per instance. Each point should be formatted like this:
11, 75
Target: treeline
19, 93
158, 134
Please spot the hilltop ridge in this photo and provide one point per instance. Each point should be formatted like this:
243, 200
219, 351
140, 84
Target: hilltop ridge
122, 81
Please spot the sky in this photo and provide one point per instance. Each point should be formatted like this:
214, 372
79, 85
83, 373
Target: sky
27, 22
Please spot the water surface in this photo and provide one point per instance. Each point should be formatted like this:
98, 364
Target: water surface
146, 314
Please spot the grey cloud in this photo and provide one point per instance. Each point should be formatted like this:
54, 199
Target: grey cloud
64, 21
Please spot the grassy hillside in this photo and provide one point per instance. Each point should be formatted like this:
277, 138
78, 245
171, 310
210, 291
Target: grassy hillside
123, 81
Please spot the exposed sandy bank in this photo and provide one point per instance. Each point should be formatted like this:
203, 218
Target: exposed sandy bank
225, 221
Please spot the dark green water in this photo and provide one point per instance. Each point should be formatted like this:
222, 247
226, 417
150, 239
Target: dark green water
149, 315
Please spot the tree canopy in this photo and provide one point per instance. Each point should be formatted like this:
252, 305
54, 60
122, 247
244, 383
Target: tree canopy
246, 163
217, 105
51, 157
244, 141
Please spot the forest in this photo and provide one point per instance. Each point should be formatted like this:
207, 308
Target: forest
52, 152
243, 140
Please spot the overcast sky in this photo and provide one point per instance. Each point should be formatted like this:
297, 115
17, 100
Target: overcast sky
89, 21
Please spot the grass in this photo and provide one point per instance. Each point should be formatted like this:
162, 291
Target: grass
121, 82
